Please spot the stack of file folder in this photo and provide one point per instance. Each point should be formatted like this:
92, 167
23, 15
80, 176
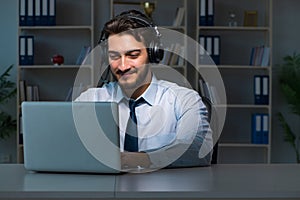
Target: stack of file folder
37, 12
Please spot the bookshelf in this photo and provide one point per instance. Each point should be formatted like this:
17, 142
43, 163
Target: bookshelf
79, 20
235, 143
74, 21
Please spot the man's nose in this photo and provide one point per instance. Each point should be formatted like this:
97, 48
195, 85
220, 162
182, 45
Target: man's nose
124, 63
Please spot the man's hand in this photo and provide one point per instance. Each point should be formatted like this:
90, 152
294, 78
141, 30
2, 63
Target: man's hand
134, 160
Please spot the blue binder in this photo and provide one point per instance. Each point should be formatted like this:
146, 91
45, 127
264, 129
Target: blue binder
22, 50
265, 128
261, 89
216, 50
51, 12
256, 133
202, 13
37, 12
210, 12
22, 12
30, 13
265, 90
30, 50
257, 90
44, 12
201, 49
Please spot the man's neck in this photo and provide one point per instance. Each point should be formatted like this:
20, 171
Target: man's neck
137, 92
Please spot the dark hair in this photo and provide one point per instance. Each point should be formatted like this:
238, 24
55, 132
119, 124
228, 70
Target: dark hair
129, 22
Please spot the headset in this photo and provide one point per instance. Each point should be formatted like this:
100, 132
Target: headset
154, 50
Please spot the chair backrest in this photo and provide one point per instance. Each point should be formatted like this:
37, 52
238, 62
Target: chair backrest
209, 108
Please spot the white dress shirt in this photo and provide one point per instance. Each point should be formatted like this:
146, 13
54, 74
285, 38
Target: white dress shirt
173, 118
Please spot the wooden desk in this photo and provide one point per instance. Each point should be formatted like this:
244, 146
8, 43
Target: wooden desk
275, 181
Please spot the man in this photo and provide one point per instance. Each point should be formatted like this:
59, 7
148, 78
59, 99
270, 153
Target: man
170, 126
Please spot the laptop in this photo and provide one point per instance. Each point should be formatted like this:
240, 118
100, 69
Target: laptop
71, 137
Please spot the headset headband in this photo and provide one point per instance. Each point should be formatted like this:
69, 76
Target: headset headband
145, 22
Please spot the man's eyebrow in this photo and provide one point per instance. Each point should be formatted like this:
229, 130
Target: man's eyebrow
133, 51
127, 52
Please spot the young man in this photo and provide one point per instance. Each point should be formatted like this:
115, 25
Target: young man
167, 126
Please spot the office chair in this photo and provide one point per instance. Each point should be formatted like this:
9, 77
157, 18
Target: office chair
209, 108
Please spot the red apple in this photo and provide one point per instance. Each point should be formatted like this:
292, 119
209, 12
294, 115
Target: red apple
57, 59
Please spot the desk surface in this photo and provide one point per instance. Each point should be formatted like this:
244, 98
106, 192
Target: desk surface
217, 182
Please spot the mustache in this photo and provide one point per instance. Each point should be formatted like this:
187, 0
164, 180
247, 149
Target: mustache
122, 72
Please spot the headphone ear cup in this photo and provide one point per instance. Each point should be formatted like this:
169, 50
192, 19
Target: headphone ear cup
155, 52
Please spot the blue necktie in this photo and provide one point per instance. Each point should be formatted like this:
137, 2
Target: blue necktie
131, 135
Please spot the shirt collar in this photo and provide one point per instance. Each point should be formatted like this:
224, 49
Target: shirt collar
149, 95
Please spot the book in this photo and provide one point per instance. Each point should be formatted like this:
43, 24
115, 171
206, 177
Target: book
215, 98
208, 91
74, 92
181, 56
260, 56
179, 16
29, 93
22, 92
168, 53
265, 57
166, 57
36, 94
174, 55
85, 50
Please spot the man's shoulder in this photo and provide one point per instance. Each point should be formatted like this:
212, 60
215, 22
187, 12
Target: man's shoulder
98, 93
167, 85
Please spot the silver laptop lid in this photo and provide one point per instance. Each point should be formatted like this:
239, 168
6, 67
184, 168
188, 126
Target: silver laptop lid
71, 136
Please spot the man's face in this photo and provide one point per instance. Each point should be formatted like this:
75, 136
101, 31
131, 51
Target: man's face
128, 58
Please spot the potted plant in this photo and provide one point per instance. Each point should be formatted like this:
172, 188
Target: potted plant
289, 80
7, 91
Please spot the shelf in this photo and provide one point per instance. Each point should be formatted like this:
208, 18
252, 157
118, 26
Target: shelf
235, 45
234, 28
55, 27
173, 27
235, 67
53, 66
74, 29
243, 145
242, 106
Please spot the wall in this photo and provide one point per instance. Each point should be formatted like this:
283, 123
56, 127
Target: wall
8, 56
286, 40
